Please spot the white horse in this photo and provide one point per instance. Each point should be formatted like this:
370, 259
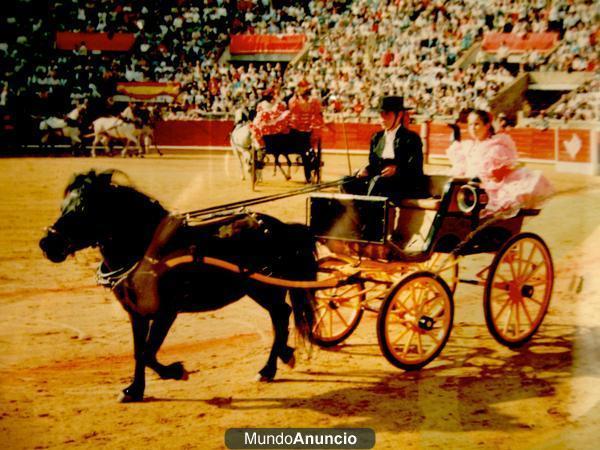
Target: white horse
54, 126
241, 144
114, 128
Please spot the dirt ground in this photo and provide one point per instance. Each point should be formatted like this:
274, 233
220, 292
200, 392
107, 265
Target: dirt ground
66, 349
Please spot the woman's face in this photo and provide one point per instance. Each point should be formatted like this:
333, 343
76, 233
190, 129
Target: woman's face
477, 129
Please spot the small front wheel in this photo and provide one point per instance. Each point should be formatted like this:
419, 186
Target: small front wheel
337, 310
415, 320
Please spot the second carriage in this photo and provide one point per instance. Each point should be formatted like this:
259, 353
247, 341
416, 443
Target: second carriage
296, 148
400, 260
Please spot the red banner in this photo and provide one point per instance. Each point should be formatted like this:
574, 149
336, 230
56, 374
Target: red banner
542, 42
118, 42
248, 44
146, 90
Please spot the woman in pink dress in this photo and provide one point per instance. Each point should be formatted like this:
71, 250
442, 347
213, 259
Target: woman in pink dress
493, 159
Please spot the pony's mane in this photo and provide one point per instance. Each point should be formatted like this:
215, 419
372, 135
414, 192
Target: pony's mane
100, 179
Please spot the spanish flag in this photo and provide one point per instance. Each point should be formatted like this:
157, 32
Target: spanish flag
146, 90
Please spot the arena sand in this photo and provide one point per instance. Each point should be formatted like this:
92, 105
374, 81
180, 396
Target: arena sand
66, 350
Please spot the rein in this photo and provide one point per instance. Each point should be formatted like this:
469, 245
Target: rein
259, 200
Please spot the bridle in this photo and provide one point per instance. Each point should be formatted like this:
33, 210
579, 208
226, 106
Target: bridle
113, 278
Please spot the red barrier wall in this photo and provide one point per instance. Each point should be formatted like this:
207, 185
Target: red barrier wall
574, 145
244, 44
531, 143
120, 42
201, 133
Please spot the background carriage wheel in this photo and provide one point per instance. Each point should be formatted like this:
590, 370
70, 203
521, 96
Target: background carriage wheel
415, 320
518, 289
445, 265
338, 310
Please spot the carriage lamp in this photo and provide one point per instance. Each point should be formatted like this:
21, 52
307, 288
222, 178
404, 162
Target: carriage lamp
471, 198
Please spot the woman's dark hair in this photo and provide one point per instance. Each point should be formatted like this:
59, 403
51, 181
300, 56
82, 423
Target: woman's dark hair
485, 117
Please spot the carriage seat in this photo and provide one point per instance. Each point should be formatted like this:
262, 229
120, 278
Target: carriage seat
435, 187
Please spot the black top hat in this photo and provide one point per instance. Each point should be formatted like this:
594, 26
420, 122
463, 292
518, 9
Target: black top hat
391, 103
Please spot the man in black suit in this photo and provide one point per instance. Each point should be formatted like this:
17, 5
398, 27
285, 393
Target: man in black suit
395, 166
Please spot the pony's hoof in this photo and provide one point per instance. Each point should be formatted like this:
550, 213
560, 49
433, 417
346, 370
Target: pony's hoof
174, 371
263, 378
129, 398
291, 362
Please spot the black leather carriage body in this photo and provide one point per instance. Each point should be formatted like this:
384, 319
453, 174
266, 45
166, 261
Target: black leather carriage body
348, 217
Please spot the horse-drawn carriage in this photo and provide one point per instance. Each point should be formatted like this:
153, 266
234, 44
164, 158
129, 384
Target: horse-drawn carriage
396, 258
294, 143
400, 260
297, 148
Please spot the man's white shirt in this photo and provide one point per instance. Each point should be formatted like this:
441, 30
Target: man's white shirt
388, 149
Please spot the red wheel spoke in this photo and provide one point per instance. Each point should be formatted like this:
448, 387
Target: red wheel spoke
509, 320
401, 336
343, 319
526, 311
407, 344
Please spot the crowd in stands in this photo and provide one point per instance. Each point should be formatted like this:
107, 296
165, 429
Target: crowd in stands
358, 50
581, 104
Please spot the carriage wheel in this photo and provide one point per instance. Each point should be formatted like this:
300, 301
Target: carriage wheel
518, 289
337, 310
415, 320
445, 265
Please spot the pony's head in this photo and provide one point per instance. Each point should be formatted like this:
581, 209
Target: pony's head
80, 221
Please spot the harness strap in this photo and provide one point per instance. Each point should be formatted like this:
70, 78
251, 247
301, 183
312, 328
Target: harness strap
187, 257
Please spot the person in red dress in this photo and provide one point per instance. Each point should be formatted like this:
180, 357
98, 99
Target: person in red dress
306, 114
272, 117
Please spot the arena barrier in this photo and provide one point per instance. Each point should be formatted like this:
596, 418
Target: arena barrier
570, 149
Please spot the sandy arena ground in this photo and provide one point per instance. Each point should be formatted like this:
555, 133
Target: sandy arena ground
66, 350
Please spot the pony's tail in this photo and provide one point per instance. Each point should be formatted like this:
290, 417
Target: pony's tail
305, 269
304, 312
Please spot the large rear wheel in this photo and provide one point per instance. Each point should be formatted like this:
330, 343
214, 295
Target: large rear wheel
518, 289
415, 320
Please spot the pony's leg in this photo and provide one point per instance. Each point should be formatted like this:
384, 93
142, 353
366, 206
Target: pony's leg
273, 300
125, 149
140, 151
289, 164
135, 391
94, 144
158, 331
105, 141
287, 174
239, 153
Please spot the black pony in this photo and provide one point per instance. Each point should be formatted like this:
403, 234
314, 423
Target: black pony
122, 222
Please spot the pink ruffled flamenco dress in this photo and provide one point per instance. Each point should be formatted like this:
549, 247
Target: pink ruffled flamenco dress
494, 162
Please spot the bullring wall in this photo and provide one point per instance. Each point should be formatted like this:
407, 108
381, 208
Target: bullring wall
570, 149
